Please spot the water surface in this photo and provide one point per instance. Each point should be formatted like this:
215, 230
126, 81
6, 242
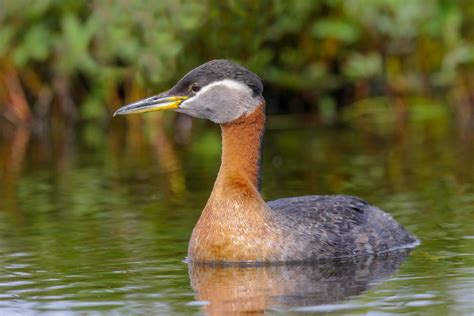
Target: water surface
97, 222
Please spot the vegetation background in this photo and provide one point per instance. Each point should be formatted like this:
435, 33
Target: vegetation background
372, 98
74, 62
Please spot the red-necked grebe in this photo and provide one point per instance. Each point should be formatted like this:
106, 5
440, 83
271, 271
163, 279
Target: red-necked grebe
236, 224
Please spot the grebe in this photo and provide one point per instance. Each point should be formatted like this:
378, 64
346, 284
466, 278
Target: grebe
236, 224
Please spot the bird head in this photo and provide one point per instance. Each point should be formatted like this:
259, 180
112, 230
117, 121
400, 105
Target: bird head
218, 90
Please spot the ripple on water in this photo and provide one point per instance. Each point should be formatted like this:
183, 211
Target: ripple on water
330, 308
422, 303
14, 284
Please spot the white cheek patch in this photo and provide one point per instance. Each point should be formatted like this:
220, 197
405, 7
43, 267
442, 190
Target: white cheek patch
231, 86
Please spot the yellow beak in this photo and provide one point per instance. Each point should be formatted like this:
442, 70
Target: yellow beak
160, 102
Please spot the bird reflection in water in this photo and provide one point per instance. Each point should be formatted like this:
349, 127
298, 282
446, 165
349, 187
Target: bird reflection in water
256, 289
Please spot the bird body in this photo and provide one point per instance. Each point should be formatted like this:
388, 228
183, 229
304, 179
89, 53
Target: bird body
236, 224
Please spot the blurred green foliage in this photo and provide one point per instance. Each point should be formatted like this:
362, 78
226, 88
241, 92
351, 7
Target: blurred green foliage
93, 54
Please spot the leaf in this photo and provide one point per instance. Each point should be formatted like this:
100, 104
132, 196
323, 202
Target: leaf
342, 30
6, 35
36, 45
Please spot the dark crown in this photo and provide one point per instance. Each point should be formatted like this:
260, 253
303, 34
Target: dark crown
220, 69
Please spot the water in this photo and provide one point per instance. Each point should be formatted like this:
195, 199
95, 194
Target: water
98, 223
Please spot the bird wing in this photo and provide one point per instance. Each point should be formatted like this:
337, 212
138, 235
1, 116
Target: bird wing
337, 213
334, 226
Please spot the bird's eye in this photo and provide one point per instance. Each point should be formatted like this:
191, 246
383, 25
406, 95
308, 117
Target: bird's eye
195, 87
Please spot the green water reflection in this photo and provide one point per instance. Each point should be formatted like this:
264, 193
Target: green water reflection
103, 225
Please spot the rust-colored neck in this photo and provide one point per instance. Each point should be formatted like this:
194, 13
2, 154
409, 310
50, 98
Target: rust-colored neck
235, 218
241, 152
